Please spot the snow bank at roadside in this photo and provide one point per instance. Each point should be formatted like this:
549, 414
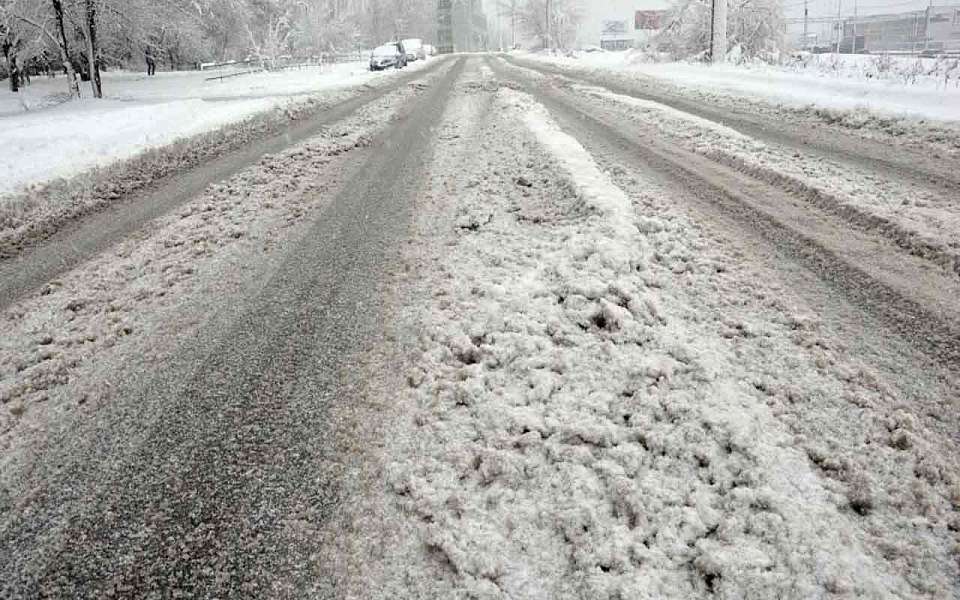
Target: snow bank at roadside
841, 88
165, 86
139, 113
74, 137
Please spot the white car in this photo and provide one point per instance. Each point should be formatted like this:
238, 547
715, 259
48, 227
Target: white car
388, 55
414, 48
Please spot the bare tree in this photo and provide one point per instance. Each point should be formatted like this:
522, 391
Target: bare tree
10, 57
92, 53
755, 28
8, 44
553, 21
20, 15
64, 47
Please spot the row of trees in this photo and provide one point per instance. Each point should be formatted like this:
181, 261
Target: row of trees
755, 28
79, 37
553, 22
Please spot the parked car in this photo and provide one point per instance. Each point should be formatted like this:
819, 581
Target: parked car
388, 55
414, 48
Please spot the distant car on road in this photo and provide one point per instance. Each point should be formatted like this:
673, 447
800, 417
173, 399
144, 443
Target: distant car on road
414, 48
389, 55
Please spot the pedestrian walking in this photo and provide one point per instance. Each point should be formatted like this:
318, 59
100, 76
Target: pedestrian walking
151, 62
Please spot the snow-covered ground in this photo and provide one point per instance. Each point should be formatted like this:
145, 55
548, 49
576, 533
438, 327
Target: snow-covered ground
608, 391
896, 87
611, 400
132, 86
46, 138
914, 218
142, 292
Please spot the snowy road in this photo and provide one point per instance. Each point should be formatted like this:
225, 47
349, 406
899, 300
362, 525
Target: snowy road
71, 239
221, 444
499, 333
843, 245
912, 157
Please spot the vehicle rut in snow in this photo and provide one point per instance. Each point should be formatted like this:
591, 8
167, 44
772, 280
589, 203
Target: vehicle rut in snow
231, 471
49, 253
912, 296
917, 167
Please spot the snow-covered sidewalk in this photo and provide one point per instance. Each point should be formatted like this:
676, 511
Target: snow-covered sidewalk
847, 85
60, 139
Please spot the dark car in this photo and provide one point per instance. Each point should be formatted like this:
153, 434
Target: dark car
388, 55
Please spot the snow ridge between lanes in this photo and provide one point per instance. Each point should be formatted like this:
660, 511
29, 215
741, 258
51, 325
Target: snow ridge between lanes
597, 190
799, 497
650, 105
589, 418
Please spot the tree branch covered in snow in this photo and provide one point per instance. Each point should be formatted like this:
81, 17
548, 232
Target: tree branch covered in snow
755, 29
180, 33
553, 21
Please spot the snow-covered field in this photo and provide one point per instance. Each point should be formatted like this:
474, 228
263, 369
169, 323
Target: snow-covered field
900, 87
47, 138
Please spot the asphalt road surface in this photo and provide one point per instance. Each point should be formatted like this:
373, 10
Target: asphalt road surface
78, 241
197, 506
201, 476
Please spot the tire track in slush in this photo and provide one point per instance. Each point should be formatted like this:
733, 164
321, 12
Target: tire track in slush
939, 175
216, 500
913, 299
90, 235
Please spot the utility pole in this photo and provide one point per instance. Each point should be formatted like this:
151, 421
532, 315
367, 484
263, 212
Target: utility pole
806, 24
926, 28
546, 39
718, 32
839, 25
853, 49
445, 27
